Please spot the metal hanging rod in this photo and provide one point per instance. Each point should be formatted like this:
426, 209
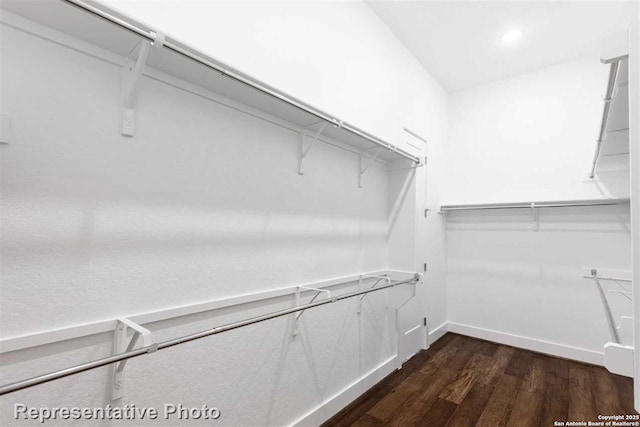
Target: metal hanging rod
208, 62
529, 205
611, 88
41, 379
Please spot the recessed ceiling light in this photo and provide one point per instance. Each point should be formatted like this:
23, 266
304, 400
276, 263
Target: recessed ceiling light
511, 37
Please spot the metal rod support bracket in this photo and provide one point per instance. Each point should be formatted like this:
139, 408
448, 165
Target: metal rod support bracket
122, 345
109, 360
536, 218
365, 162
299, 289
302, 150
131, 76
365, 276
158, 40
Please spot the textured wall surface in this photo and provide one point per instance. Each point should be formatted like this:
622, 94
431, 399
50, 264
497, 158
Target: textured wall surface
203, 203
337, 56
531, 138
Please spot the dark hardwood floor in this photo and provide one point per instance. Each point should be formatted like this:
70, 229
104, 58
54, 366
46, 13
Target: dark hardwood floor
462, 381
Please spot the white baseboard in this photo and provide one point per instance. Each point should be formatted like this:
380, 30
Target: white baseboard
438, 333
340, 400
539, 346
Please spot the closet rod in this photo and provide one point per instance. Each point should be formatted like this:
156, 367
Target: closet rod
41, 379
611, 86
209, 63
552, 204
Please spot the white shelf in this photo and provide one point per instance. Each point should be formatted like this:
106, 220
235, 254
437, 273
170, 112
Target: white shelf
96, 24
612, 145
616, 143
538, 204
619, 114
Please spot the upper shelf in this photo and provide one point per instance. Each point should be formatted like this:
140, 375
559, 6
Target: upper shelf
612, 144
618, 119
97, 24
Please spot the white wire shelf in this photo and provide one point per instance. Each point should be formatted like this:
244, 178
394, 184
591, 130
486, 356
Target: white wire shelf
98, 25
539, 204
381, 281
613, 136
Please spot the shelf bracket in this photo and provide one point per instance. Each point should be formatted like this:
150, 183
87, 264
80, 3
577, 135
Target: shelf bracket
365, 162
121, 344
299, 289
361, 278
536, 218
131, 76
302, 150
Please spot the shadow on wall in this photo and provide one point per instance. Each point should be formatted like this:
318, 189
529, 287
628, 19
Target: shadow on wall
612, 176
583, 219
505, 277
399, 188
206, 368
204, 202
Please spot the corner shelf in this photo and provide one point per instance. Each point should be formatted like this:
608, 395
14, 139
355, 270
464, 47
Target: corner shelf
98, 25
612, 145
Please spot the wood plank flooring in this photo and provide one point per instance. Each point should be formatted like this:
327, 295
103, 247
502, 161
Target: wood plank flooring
462, 381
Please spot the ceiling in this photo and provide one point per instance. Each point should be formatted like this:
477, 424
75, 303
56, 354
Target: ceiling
460, 42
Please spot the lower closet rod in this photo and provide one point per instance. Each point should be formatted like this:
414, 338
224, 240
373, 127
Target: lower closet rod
41, 379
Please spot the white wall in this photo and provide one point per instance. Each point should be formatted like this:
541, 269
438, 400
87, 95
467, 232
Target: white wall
204, 203
531, 138
326, 53
322, 52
